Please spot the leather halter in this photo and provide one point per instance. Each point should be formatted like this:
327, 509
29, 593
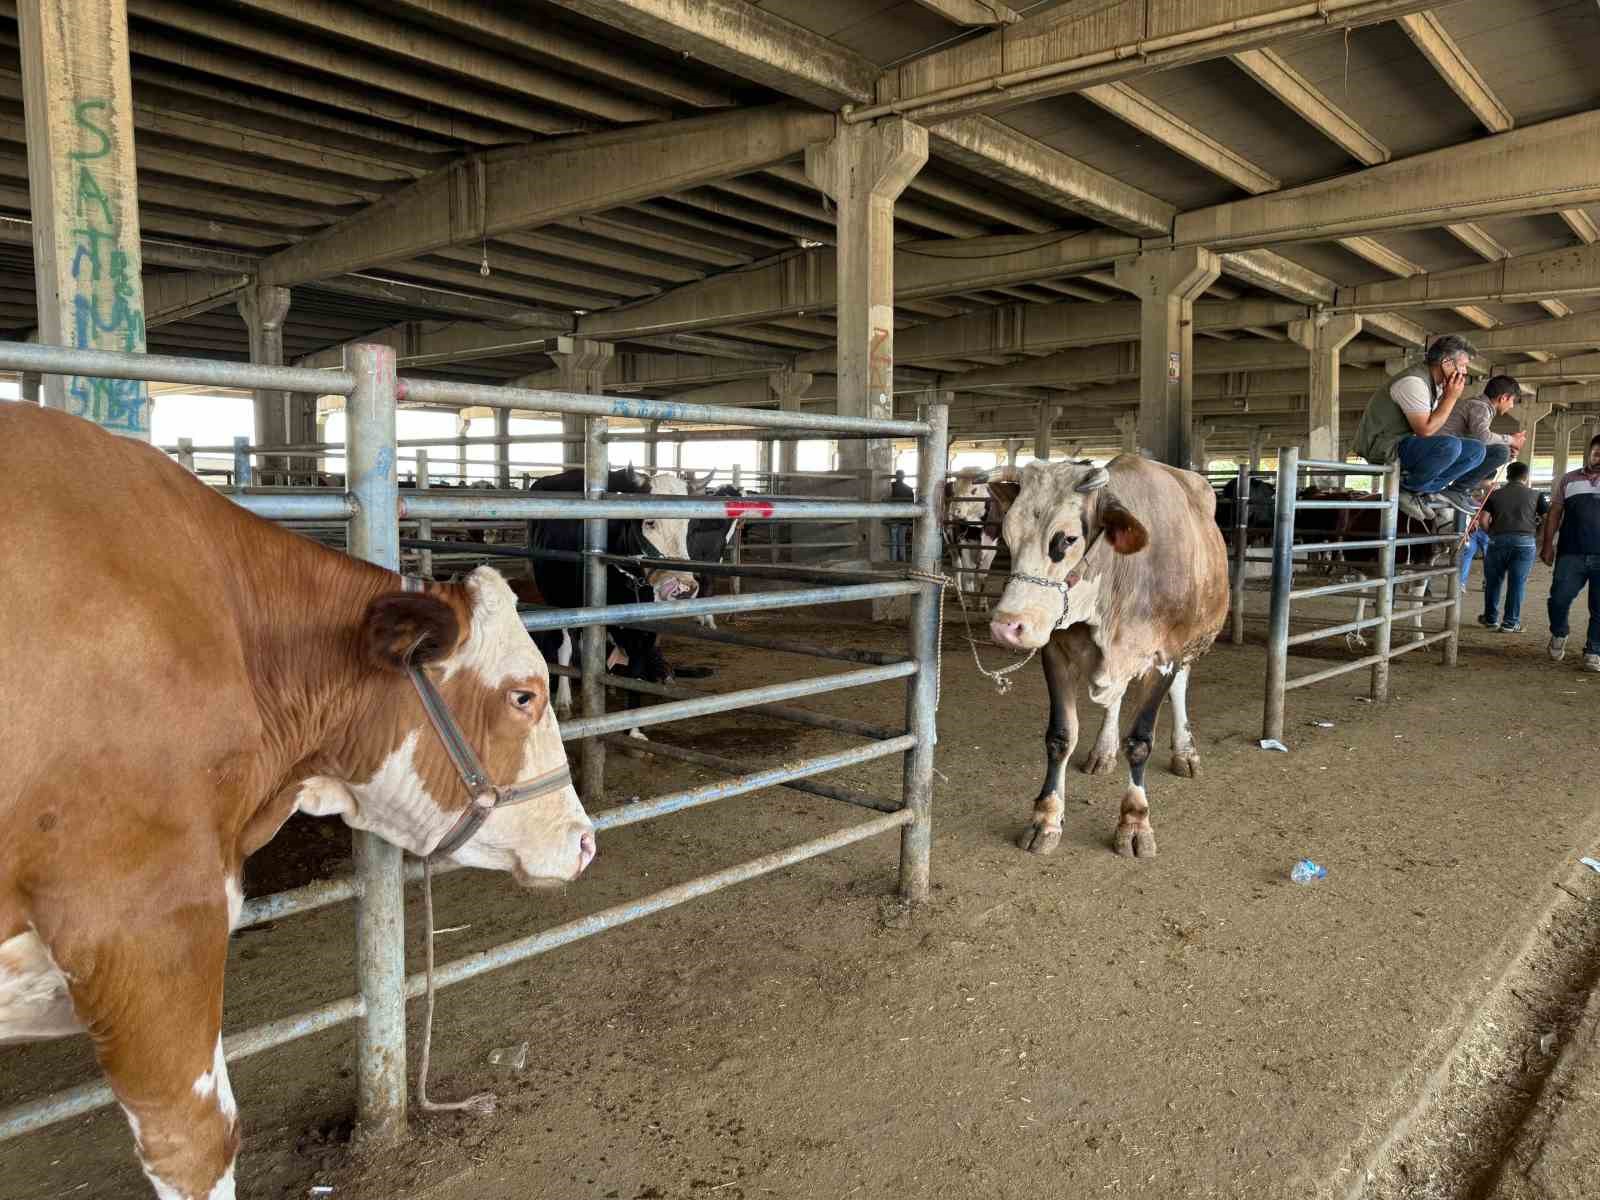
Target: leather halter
485, 796
1065, 586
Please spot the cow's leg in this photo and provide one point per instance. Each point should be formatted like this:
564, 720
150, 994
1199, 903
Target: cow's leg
564, 686
1185, 758
1102, 759
1418, 592
1135, 838
1043, 833
1355, 640
985, 561
149, 990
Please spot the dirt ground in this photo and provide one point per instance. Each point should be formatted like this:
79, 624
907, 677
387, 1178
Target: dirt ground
1073, 1026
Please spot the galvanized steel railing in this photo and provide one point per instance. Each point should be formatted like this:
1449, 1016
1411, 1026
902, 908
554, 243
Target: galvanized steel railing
374, 507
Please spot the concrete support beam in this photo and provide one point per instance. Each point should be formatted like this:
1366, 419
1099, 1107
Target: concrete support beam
1578, 333
1533, 411
1077, 45
178, 295
804, 282
1440, 49
1041, 436
1528, 170
1128, 432
498, 191
281, 418
788, 387
1582, 225
502, 450
1272, 272
1584, 367
82, 187
1167, 283
1565, 425
998, 152
1176, 134
1103, 364
972, 12
864, 168
580, 365
1523, 279
1324, 337
1307, 102
1556, 308
1200, 440
1479, 241
1380, 256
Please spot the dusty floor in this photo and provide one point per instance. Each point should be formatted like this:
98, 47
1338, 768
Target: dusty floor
1073, 1026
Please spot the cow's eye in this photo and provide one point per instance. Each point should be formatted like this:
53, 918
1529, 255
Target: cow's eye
522, 701
1058, 545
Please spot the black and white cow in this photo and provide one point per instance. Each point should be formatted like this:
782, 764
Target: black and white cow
632, 652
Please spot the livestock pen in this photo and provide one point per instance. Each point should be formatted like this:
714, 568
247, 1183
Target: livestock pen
374, 507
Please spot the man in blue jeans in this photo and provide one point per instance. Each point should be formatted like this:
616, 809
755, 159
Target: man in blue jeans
1402, 423
1511, 517
1575, 517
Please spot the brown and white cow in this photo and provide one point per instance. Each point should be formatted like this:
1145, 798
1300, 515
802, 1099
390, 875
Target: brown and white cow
180, 677
1118, 576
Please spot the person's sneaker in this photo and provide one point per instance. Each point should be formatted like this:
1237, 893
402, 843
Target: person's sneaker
1412, 505
1591, 662
1458, 500
1488, 622
1517, 628
1557, 649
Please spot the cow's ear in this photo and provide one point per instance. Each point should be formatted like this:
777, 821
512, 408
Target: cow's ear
1005, 493
402, 624
1128, 535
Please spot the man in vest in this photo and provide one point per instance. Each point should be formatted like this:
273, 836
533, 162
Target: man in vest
1403, 422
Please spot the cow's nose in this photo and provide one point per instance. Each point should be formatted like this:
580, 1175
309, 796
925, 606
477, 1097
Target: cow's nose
586, 850
1006, 632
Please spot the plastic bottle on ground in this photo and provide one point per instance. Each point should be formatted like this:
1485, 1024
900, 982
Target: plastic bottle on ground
1306, 871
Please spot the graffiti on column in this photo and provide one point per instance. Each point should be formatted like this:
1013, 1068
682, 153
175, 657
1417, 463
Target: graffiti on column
107, 313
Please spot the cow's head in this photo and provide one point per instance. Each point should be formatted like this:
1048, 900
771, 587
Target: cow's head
670, 538
1052, 513
394, 777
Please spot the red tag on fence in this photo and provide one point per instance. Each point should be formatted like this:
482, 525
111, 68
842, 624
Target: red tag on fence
748, 508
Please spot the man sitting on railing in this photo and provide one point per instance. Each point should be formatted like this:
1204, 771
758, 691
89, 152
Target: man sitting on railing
1472, 417
1403, 423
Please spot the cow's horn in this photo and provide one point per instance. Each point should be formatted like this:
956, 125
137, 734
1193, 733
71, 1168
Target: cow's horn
1094, 480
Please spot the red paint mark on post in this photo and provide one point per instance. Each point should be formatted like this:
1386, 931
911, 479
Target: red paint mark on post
748, 508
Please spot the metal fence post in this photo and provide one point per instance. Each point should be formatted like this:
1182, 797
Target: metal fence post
380, 906
1241, 530
1452, 615
922, 692
424, 526
242, 476
1282, 582
1388, 531
186, 454
596, 469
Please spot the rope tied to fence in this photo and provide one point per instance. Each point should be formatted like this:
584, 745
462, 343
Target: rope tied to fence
1002, 684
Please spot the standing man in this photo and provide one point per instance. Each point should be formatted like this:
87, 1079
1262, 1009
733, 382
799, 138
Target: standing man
1471, 418
1575, 516
899, 529
1402, 424
1511, 516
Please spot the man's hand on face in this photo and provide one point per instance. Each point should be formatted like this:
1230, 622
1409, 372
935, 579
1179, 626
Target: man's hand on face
1454, 383
1518, 440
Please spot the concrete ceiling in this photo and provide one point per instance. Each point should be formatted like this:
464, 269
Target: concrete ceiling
261, 123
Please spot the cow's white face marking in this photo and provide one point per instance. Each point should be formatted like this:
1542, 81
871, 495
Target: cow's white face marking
395, 804
671, 537
34, 1000
223, 1189
497, 648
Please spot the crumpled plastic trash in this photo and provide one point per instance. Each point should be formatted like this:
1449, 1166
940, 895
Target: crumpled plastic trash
1272, 744
1306, 871
1592, 864
1320, 724
513, 1058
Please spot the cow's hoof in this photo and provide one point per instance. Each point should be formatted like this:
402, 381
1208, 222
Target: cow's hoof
1186, 764
1099, 763
1040, 839
1136, 843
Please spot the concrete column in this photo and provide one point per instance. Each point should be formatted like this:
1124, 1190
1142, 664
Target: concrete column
1258, 443
263, 309
863, 169
1041, 434
581, 364
1324, 336
186, 454
652, 454
1200, 440
1167, 283
82, 189
502, 452
1128, 427
463, 424
1566, 423
788, 387
1533, 411
1014, 447
31, 387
